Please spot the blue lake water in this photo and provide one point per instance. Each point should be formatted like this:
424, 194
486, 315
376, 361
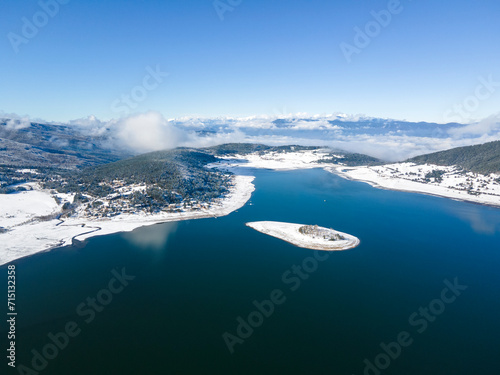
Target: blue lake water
193, 280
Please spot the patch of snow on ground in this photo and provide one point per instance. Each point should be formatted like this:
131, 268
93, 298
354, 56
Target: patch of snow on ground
17, 208
455, 184
275, 160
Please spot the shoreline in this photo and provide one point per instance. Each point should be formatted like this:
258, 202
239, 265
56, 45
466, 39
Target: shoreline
40, 236
309, 160
407, 186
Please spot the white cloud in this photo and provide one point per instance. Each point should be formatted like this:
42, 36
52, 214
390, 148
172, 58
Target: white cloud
147, 132
484, 127
18, 123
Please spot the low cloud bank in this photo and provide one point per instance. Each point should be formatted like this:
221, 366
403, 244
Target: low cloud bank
486, 127
387, 139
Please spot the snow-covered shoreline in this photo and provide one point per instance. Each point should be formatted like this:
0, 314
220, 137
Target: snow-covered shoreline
383, 177
32, 237
290, 233
398, 176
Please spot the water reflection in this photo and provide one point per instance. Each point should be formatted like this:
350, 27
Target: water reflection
483, 220
151, 237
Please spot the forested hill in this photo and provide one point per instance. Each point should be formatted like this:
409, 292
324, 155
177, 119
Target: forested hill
54, 146
169, 176
484, 158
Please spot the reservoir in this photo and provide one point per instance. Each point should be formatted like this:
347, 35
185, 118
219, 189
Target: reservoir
419, 295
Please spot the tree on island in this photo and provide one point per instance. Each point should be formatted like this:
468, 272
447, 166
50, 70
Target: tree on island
316, 231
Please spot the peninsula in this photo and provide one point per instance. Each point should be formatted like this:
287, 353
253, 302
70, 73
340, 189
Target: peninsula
307, 236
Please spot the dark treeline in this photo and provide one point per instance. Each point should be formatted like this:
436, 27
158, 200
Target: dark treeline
484, 159
352, 160
249, 148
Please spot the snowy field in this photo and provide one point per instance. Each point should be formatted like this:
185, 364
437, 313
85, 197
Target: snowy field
289, 232
24, 206
279, 161
452, 183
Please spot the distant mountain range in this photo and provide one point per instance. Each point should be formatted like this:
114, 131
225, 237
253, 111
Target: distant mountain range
66, 147
320, 127
89, 141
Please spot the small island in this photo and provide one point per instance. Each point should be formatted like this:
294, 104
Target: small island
307, 236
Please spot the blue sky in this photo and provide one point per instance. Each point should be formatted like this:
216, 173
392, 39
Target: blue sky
265, 57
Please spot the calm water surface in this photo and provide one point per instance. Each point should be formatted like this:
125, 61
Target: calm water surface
194, 279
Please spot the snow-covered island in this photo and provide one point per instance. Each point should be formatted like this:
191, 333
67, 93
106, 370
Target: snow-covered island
307, 236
